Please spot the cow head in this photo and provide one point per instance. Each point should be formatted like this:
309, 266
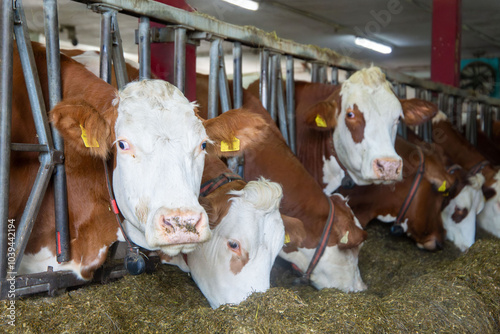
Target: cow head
364, 114
237, 261
459, 216
489, 218
159, 148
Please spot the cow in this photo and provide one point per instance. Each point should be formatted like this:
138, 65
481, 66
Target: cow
156, 145
247, 229
422, 221
461, 152
248, 234
303, 200
363, 113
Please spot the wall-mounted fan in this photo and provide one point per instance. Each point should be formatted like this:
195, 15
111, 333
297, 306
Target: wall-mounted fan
480, 75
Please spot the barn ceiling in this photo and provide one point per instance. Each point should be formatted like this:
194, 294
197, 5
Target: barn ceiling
326, 23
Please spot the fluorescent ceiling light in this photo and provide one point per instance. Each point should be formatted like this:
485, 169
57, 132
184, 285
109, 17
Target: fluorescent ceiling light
369, 44
247, 4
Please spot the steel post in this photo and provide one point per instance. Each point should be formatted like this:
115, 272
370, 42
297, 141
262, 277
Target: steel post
281, 102
6, 49
180, 58
54, 81
290, 102
264, 78
488, 124
106, 46
225, 95
213, 92
322, 76
401, 93
450, 108
314, 72
117, 52
144, 49
335, 76
273, 84
237, 76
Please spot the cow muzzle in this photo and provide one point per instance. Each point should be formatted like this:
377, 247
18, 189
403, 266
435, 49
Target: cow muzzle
388, 169
180, 227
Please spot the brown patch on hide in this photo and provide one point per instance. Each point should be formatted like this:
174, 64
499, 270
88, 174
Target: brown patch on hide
238, 261
355, 122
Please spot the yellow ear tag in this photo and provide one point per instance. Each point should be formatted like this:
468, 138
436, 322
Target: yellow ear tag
345, 238
287, 238
320, 122
442, 188
93, 143
233, 146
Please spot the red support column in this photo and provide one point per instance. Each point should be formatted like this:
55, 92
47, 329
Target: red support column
162, 56
446, 35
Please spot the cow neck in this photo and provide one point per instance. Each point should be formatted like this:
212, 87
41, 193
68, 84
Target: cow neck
396, 229
212, 184
323, 241
114, 206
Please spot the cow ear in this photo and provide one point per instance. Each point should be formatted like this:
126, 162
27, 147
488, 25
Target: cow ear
418, 111
295, 232
83, 128
235, 131
321, 116
216, 206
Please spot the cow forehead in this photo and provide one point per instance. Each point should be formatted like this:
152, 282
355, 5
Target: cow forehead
374, 102
157, 108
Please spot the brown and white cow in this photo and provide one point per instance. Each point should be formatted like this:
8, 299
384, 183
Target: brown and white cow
303, 200
157, 144
363, 114
422, 222
461, 152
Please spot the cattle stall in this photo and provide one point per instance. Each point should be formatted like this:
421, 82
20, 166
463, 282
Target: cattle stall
181, 27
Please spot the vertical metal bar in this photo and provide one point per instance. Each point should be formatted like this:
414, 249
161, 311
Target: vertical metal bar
117, 52
314, 72
401, 93
213, 93
54, 81
6, 49
322, 76
459, 107
106, 46
237, 75
335, 76
180, 58
281, 102
473, 120
144, 49
290, 102
488, 124
427, 126
450, 110
273, 84
225, 95
264, 78
441, 101
31, 77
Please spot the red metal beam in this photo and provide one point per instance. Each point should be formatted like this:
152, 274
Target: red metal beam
162, 56
446, 36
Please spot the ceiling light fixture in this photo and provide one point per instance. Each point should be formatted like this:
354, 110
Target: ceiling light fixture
247, 4
375, 46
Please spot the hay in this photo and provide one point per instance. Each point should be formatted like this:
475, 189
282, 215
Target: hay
409, 291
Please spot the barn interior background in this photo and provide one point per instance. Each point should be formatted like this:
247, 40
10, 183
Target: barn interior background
400, 298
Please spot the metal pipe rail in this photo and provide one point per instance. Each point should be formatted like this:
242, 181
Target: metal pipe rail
258, 38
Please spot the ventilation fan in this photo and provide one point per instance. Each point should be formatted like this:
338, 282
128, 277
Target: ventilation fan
480, 75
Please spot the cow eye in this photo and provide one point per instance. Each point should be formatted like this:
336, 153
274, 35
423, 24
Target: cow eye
204, 146
234, 245
350, 114
123, 145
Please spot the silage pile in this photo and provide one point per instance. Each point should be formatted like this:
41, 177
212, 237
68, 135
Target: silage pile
409, 291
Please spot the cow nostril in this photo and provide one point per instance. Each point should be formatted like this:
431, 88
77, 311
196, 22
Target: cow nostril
380, 166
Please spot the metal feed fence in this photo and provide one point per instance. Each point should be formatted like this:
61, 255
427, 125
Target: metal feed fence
181, 27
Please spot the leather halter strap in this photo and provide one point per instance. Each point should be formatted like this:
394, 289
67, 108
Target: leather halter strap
114, 206
320, 249
413, 189
477, 168
211, 185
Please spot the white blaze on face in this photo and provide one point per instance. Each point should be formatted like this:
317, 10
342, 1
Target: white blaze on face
237, 261
469, 201
159, 163
489, 218
372, 95
332, 175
